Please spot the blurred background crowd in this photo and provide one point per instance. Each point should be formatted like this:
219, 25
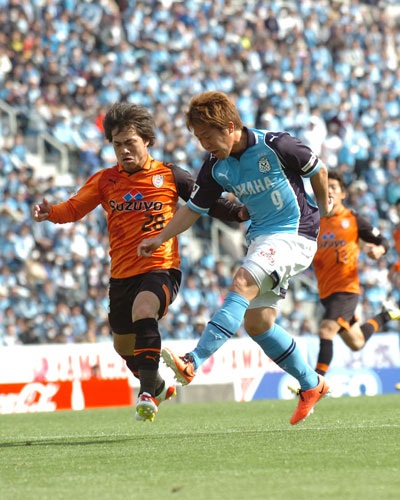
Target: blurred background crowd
325, 71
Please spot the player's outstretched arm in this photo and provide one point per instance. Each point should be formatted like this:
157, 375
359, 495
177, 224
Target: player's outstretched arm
319, 184
41, 211
182, 220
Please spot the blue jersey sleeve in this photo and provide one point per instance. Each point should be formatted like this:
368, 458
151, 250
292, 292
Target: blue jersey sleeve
293, 154
206, 190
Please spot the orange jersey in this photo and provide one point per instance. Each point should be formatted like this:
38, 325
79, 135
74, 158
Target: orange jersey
396, 238
335, 262
395, 268
138, 206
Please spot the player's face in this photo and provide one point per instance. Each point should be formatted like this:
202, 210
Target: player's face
130, 149
335, 191
214, 140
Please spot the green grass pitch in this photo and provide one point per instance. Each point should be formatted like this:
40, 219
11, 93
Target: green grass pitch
348, 449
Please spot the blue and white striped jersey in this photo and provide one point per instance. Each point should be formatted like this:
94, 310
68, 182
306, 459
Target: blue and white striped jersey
267, 178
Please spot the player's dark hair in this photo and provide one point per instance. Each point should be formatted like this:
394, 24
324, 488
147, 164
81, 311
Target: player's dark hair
124, 115
212, 109
337, 177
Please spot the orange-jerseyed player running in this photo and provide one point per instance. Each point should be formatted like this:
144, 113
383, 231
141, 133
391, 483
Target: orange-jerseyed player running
139, 195
394, 271
335, 265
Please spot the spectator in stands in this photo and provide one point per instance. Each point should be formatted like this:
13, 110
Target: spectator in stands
10, 336
182, 329
104, 333
296, 316
24, 243
199, 324
306, 327
192, 294
78, 323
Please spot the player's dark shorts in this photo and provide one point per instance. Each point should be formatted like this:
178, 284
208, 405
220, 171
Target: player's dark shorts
165, 284
341, 307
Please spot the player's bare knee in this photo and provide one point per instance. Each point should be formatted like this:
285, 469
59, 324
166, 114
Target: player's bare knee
253, 330
256, 328
146, 305
356, 345
326, 334
244, 284
142, 312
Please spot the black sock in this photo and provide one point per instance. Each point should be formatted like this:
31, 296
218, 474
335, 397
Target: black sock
159, 385
381, 319
375, 324
147, 354
325, 356
131, 364
148, 381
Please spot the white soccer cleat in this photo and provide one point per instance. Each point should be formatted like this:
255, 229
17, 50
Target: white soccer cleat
146, 407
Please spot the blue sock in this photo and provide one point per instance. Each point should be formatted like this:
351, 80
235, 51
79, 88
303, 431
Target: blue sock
222, 326
282, 349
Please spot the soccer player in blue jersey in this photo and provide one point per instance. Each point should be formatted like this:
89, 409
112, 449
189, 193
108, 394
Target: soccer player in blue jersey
264, 170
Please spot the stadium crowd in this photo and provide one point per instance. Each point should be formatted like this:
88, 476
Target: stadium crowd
325, 71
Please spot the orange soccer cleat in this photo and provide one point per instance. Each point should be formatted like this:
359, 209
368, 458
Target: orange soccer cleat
167, 393
308, 399
182, 366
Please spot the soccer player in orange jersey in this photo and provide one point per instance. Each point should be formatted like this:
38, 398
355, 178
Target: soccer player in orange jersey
139, 196
394, 271
335, 265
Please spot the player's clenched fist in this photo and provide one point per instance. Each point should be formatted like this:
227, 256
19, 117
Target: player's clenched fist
41, 211
148, 246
